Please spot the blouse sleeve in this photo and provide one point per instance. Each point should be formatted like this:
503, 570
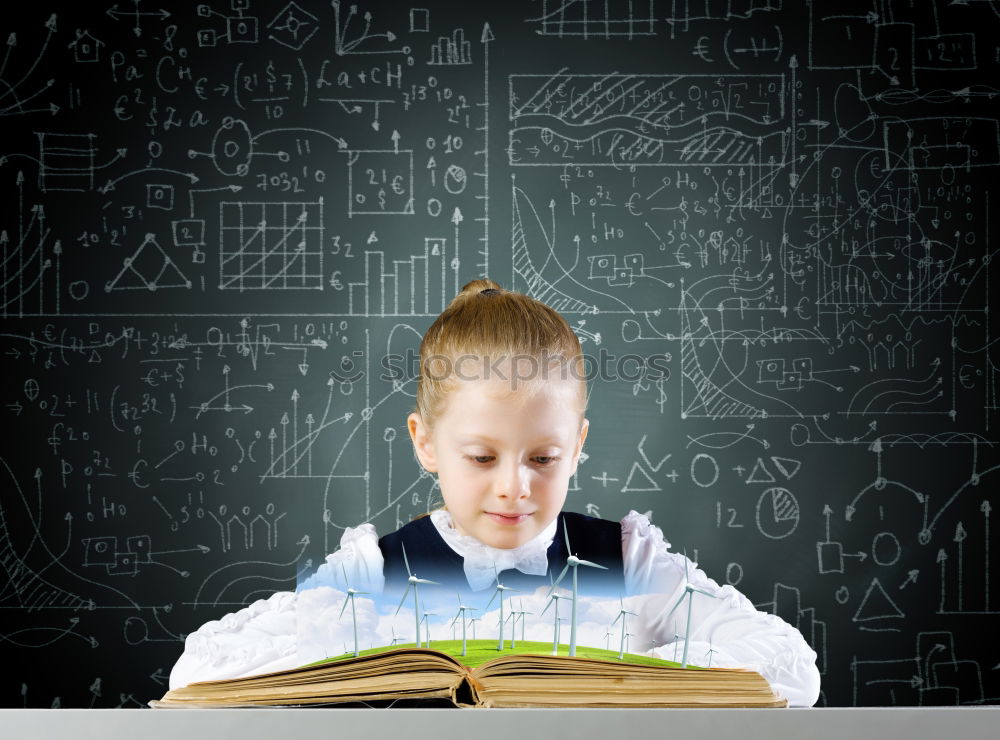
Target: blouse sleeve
726, 629
263, 637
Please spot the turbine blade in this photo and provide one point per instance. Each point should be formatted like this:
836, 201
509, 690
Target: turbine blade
424, 580
405, 594
491, 600
616, 619
592, 565
566, 535
405, 561
704, 592
546, 607
561, 575
681, 599
343, 607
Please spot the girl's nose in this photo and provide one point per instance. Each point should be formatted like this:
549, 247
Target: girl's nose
513, 483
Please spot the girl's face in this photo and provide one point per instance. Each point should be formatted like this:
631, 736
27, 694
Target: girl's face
504, 460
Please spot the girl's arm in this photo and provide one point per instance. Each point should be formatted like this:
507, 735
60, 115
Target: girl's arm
725, 622
264, 636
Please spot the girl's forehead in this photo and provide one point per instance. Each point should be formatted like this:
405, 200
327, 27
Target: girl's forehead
516, 392
542, 411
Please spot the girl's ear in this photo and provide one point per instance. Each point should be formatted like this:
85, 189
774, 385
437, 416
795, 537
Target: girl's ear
423, 445
579, 448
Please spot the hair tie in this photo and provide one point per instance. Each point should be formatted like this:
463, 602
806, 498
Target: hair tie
488, 291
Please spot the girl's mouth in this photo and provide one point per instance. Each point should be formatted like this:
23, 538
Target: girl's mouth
507, 518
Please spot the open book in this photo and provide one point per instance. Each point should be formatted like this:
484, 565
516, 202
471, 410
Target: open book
513, 679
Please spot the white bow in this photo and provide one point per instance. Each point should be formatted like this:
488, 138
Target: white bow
480, 559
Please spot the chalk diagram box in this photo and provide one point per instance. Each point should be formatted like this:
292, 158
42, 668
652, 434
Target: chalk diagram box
276, 246
380, 182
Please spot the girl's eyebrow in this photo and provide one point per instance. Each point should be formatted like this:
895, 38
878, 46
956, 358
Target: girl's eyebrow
484, 438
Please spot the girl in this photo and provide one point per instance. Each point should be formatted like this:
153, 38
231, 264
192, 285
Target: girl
500, 418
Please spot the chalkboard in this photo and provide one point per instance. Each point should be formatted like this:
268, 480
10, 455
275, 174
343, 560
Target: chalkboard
226, 226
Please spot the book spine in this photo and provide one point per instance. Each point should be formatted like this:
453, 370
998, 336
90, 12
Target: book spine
466, 693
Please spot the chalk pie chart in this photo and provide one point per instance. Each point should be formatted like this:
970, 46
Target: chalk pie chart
777, 513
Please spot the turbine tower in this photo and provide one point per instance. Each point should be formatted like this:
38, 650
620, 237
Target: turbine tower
688, 594
554, 599
412, 582
354, 615
512, 617
499, 590
621, 615
572, 561
521, 613
462, 609
427, 627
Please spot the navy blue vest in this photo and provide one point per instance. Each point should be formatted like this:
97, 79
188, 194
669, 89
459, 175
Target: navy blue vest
429, 556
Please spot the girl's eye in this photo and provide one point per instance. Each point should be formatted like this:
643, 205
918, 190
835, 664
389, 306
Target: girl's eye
483, 459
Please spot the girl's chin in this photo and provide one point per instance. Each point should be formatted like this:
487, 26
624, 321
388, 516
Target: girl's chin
504, 540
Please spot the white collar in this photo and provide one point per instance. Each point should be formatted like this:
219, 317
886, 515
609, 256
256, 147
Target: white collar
479, 559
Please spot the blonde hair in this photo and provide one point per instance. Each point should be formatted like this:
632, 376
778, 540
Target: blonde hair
495, 323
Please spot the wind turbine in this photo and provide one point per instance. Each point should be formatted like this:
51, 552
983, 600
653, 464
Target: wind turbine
412, 581
462, 609
521, 613
607, 640
572, 561
354, 615
513, 629
474, 620
688, 594
499, 590
554, 599
427, 624
394, 638
710, 651
621, 615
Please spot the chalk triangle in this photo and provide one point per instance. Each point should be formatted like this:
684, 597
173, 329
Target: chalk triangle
760, 473
645, 483
877, 604
786, 465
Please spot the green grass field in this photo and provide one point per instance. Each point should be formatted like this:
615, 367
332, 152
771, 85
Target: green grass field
479, 651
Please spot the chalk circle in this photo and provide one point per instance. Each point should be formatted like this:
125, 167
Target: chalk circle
631, 331
715, 470
885, 548
79, 289
136, 631
799, 434
777, 513
455, 179
734, 574
232, 147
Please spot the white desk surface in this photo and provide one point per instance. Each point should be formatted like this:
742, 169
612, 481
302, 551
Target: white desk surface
846, 723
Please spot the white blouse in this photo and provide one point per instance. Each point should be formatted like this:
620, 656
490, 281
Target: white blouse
263, 636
